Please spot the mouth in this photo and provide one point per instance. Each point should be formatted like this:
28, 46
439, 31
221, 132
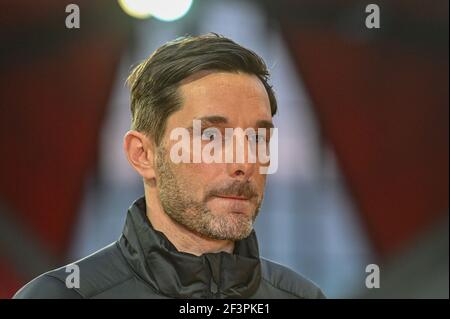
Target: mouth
233, 197
240, 205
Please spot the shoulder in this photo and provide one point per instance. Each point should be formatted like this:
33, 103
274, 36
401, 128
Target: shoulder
46, 286
290, 282
87, 277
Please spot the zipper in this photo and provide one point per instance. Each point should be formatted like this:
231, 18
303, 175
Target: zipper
214, 291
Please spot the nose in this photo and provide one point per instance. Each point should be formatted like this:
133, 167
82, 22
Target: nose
242, 166
243, 171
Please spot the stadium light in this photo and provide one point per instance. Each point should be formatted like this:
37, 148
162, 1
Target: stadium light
165, 10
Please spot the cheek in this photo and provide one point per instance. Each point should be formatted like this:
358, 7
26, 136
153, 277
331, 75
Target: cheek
205, 172
199, 176
260, 181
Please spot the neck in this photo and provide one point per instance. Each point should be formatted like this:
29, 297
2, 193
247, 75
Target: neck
181, 237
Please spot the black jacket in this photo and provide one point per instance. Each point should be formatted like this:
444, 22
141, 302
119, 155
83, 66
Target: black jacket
144, 264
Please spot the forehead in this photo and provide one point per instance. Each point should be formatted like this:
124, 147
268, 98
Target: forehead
240, 97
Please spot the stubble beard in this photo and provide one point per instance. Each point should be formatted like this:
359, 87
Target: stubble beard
193, 214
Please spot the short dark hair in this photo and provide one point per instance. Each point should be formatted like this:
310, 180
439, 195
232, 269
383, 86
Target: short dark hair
154, 82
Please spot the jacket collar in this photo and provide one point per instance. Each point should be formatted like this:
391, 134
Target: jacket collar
181, 275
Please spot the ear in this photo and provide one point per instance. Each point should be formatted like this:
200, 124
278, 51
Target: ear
139, 150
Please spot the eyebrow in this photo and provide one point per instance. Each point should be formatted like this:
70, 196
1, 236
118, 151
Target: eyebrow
212, 119
264, 124
218, 119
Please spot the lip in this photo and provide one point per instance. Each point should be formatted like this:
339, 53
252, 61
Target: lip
232, 204
234, 197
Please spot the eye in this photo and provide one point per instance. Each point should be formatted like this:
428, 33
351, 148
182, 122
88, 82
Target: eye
210, 134
257, 138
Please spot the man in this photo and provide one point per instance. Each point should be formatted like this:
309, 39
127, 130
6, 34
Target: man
191, 235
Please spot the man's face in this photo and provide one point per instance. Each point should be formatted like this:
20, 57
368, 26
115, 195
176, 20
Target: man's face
215, 200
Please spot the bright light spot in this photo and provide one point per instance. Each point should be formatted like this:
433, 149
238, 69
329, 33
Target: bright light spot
137, 8
165, 10
170, 10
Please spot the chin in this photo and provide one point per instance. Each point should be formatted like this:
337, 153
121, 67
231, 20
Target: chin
231, 226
